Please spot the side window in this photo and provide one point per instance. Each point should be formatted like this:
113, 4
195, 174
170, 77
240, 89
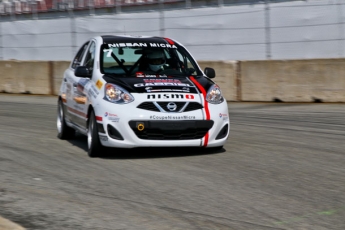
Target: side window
90, 56
79, 56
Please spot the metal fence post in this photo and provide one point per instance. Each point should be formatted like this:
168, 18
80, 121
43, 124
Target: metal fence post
1, 37
267, 29
161, 18
34, 9
341, 29
188, 4
91, 7
73, 31
118, 6
12, 7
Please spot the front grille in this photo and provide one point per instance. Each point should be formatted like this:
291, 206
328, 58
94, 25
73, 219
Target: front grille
148, 106
193, 106
162, 106
171, 130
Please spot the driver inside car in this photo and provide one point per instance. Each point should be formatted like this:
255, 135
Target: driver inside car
156, 60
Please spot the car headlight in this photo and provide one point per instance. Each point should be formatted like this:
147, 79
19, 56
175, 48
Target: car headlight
116, 94
214, 95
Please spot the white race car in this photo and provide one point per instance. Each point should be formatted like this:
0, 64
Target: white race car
139, 91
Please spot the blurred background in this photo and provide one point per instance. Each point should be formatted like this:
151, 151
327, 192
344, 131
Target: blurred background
210, 29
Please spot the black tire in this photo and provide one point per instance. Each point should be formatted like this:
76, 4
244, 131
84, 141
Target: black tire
64, 132
94, 145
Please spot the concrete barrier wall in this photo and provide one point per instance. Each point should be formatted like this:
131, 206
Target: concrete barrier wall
316, 80
59, 68
25, 77
226, 73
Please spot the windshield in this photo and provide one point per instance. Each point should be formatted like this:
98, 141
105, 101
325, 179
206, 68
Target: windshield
142, 59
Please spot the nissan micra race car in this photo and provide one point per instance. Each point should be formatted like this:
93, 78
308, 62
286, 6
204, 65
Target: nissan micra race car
136, 91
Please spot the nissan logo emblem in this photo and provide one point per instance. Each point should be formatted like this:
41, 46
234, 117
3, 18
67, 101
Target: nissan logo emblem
171, 106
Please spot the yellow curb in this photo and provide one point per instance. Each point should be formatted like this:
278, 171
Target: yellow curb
8, 225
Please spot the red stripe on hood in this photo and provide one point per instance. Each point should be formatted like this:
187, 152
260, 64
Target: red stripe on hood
207, 110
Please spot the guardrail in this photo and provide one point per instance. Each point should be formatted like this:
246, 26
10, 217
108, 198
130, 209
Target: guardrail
313, 80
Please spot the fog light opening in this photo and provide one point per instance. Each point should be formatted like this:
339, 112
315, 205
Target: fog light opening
223, 132
113, 133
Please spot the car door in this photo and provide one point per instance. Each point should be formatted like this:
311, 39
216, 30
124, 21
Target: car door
69, 79
79, 100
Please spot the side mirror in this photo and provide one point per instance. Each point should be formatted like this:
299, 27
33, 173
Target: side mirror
82, 71
210, 72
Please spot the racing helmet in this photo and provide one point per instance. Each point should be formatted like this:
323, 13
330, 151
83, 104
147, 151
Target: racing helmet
156, 59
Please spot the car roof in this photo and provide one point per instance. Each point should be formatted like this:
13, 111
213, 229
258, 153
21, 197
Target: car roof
136, 39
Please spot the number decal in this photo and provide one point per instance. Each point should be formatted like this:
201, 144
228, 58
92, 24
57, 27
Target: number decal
109, 52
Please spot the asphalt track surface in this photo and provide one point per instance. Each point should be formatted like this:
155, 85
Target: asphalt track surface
283, 167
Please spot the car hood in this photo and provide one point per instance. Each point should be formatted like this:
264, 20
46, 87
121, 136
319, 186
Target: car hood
160, 84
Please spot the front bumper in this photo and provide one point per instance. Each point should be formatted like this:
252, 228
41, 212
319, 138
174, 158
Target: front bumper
126, 126
170, 130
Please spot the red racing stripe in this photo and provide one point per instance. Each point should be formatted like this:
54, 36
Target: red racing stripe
98, 118
207, 110
171, 42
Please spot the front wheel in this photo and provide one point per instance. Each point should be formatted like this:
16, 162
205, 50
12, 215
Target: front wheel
93, 143
64, 132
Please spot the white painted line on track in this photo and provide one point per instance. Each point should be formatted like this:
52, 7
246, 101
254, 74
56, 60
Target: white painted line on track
9, 225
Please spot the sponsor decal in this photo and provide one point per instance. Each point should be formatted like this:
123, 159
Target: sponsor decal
141, 74
82, 84
99, 84
162, 82
129, 44
149, 90
79, 113
92, 91
112, 117
150, 75
68, 90
170, 96
78, 107
186, 89
224, 116
169, 117
80, 99
162, 45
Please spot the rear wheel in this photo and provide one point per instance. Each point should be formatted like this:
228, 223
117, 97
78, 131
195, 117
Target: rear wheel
94, 145
64, 132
